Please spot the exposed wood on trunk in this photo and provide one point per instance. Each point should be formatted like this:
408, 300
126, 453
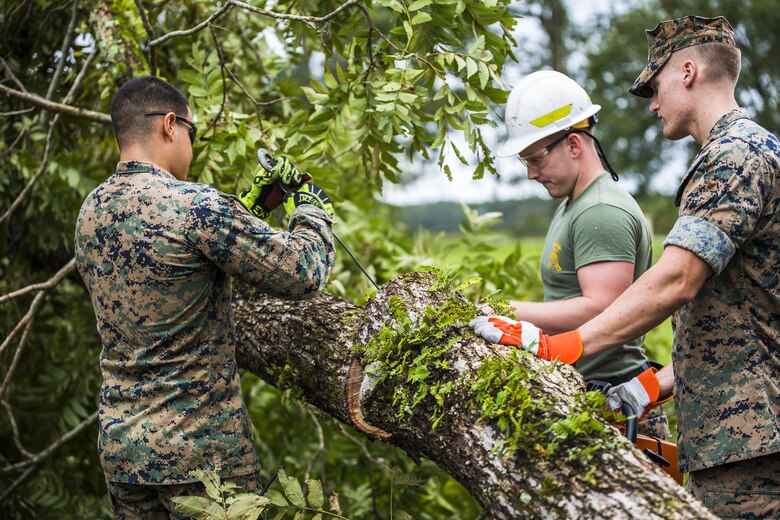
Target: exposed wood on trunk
310, 346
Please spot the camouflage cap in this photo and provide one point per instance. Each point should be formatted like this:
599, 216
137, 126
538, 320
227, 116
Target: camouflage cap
672, 35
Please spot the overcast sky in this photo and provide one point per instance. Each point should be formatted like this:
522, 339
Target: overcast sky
434, 186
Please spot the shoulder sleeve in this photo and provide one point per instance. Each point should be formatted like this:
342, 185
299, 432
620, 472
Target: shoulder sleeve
291, 264
722, 203
605, 233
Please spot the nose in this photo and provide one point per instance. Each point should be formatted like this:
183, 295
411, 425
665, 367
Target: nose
533, 173
654, 106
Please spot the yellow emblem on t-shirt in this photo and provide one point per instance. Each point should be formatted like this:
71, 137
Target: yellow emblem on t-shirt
553, 263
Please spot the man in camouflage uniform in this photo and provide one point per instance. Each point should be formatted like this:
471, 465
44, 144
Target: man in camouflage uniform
720, 271
719, 274
157, 254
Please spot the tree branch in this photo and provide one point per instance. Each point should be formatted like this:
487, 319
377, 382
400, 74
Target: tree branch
568, 462
192, 30
28, 321
41, 102
55, 80
40, 456
214, 121
49, 284
41, 169
15, 430
11, 73
150, 32
296, 17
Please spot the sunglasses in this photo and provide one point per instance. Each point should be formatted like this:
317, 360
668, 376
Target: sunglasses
193, 128
535, 159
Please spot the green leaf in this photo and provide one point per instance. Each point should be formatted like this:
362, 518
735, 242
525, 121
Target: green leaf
421, 18
419, 4
276, 498
397, 6
484, 74
315, 495
471, 67
478, 47
292, 489
200, 508
247, 506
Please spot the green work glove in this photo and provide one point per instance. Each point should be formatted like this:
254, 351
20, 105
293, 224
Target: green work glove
308, 193
288, 174
265, 195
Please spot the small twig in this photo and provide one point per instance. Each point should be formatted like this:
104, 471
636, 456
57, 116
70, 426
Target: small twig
11, 73
150, 32
16, 483
49, 284
297, 17
15, 430
362, 446
345, 151
320, 436
17, 112
28, 319
41, 169
68, 97
55, 80
214, 122
192, 30
83, 425
7, 151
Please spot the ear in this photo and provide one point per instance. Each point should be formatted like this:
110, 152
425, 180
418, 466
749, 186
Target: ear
575, 144
690, 71
169, 126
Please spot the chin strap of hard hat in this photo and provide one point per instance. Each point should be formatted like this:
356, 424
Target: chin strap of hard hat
582, 128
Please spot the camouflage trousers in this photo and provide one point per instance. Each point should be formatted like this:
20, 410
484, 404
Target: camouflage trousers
655, 424
744, 489
155, 502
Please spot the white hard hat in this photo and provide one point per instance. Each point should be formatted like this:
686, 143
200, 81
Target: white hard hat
543, 103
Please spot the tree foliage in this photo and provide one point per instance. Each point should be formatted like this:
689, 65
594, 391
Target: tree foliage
345, 89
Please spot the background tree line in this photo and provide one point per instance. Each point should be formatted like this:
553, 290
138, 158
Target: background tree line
348, 89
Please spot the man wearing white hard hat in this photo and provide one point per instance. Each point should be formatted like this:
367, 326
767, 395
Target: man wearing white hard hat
598, 242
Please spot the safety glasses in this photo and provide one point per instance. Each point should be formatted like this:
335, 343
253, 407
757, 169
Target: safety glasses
193, 128
535, 159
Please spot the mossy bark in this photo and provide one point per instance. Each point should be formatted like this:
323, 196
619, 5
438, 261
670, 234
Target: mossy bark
310, 346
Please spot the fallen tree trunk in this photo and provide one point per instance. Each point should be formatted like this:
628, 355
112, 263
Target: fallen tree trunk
518, 433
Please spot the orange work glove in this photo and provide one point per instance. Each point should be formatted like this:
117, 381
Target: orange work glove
566, 347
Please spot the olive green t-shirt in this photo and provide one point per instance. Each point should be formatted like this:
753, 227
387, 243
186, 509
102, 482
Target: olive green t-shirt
603, 224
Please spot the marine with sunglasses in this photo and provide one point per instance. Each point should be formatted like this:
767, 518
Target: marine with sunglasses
598, 242
157, 254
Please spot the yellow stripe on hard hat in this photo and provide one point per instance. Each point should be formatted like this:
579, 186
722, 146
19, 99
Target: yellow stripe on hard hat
555, 115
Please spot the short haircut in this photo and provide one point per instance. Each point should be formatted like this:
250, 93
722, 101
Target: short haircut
722, 63
138, 97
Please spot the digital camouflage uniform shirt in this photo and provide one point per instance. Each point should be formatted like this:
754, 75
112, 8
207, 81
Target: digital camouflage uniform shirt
726, 350
157, 255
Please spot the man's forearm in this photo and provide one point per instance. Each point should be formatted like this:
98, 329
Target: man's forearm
664, 288
558, 316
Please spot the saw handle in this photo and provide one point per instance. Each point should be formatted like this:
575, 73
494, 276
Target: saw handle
265, 159
632, 421
267, 162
